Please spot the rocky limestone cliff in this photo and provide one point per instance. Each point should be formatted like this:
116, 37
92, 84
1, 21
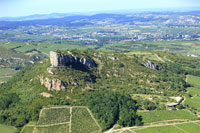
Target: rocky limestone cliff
53, 84
58, 59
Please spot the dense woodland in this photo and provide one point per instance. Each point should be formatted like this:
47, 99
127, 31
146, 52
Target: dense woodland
110, 108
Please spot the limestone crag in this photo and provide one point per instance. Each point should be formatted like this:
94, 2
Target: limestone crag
53, 84
151, 65
58, 59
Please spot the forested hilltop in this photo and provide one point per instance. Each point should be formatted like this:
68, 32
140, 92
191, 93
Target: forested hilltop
124, 82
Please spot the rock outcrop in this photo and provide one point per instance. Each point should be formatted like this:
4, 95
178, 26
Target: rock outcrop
151, 65
53, 84
58, 59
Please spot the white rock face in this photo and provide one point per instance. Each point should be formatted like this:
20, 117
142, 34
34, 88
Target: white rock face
58, 59
53, 84
151, 65
54, 59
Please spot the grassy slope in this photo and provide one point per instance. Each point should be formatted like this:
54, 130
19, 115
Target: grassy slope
193, 101
194, 80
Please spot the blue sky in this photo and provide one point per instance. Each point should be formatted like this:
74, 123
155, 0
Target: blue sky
29, 7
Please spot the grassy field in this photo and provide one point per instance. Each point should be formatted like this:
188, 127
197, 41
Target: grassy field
193, 102
194, 80
54, 115
190, 127
82, 121
28, 128
178, 47
7, 129
194, 91
44, 48
156, 116
127, 131
6, 73
163, 129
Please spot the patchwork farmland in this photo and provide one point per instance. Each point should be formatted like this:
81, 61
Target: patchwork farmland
64, 119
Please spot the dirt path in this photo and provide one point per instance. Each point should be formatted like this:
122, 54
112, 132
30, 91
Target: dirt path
94, 119
59, 107
70, 121
186, 78
43, 52
159, 58
52, 124
110, 130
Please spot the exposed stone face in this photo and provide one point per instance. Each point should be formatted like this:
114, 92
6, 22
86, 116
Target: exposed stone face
113, 58
53, 84
58, 59
151, 65
51, 70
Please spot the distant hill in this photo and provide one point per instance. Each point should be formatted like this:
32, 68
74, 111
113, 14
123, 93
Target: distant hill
36, 17
193, 10
81, 20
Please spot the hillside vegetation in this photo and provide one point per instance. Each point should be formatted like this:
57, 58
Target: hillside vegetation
116, 78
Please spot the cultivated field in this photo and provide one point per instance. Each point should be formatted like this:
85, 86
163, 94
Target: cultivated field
194, 99
62, 128
162, 129
54, 115
163, 115
83, 122
64, 119
178, 47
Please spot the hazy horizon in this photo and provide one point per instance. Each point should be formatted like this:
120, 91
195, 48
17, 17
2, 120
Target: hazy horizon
12, 8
